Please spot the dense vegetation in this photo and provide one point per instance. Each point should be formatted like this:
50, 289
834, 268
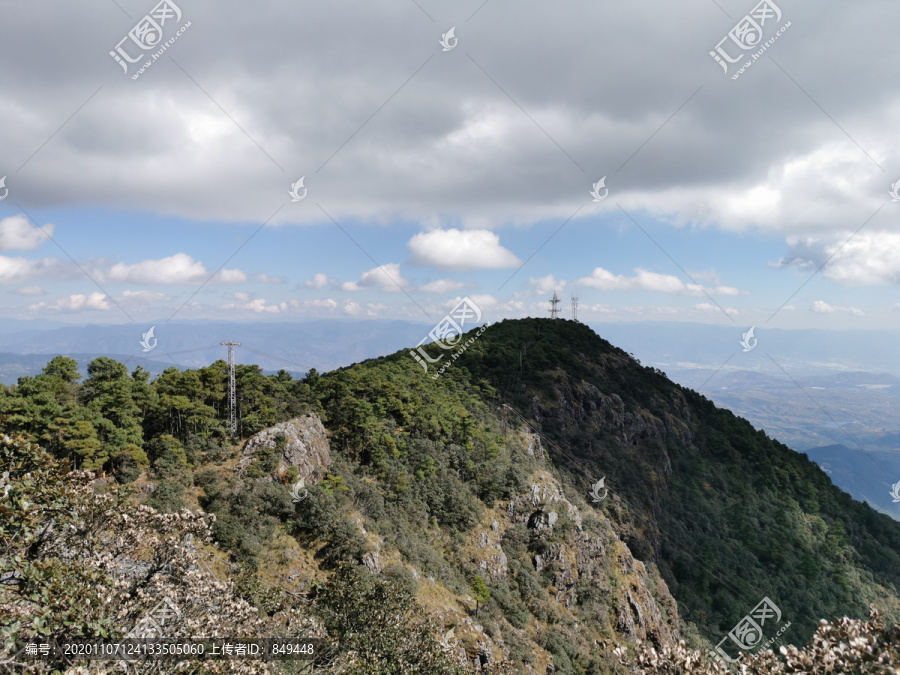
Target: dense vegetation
725, 514
729, 515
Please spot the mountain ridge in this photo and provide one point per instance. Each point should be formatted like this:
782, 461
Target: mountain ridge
473, 490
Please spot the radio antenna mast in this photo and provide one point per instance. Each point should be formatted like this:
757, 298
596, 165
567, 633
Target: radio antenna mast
232, 399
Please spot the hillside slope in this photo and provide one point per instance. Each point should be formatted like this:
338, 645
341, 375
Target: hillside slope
471, 492
729, 515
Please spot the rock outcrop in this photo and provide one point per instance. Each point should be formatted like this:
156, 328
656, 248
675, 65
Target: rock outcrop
578, 563
644, 608
305, 446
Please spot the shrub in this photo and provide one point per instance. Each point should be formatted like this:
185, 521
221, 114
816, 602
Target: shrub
167, 498
375, 626
402, 577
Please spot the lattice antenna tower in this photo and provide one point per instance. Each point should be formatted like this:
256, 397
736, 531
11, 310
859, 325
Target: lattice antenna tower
505, 409
574, 308
232, 398
554, 310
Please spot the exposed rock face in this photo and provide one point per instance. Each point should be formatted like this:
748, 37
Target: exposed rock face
306, 445
533, 444
644, 609
485, 551
582, 562
372, 560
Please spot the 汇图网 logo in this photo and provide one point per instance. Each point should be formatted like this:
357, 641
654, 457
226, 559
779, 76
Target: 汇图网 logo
448, 333
148, 34
595, 190
748, 34
595, 490
748, 341
748, 633
894, 193
895, 491
449, 40
295, 191
146, 338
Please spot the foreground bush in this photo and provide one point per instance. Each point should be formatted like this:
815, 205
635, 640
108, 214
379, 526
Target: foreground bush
82, 561
842, 646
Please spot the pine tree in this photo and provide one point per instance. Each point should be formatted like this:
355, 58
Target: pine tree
481, 592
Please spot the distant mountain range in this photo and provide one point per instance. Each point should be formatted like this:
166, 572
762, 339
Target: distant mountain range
685, 346
330, 343
295, 347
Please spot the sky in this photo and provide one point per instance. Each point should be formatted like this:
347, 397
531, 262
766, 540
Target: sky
607, 151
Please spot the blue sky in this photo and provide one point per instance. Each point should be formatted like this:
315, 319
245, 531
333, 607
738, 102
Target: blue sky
445, 171
291, 257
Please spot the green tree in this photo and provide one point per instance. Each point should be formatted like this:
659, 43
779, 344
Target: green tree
480, 591
108, 391
83, 446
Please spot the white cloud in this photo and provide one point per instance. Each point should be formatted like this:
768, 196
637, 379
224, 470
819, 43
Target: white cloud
866, 259
605, 280
822, 307
17, 269
176, 269
461, 250
375, 309
709, 307
320, 280
266, 279
30, 290
326, 303
17, 234
257, 305
74, 303
480, 156
443, 286
372, 309
817, 187
547, 285
143, 296
229, 277
386, 278
491, 308
482, 300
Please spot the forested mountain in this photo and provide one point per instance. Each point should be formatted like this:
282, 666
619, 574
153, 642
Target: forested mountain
470, 501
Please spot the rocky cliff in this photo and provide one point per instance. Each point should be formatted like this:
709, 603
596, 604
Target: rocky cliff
594, 584
305, 446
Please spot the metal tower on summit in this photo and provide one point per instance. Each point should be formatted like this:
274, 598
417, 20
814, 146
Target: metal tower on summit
232, 399
554, 310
